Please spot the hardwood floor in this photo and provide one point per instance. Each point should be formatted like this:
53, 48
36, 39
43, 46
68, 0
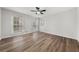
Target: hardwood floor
43, 43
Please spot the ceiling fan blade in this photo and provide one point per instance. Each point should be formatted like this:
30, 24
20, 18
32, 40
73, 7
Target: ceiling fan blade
37, 8
41, 13
42, 10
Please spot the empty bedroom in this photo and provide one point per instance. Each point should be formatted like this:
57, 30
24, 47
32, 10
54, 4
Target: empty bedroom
39, 29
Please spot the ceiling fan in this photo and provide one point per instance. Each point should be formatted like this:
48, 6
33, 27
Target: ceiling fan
38, 10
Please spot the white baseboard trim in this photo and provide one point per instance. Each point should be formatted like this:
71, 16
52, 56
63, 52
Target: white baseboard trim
61, 35
0, 39
13, 35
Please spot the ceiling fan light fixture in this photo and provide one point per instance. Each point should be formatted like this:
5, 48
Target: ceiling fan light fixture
37, 12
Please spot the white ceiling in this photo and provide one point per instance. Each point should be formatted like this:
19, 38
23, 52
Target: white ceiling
49, 10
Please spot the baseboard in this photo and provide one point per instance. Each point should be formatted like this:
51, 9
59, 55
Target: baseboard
0, 39
43, 32
60, 35
14, 35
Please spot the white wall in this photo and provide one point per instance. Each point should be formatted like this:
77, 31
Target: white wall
62, 24
0, 23
28, 23
78, 24
7, 23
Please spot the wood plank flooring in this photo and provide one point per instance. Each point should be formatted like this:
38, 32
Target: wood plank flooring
43, 43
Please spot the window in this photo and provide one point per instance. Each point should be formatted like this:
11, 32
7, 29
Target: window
17, 24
